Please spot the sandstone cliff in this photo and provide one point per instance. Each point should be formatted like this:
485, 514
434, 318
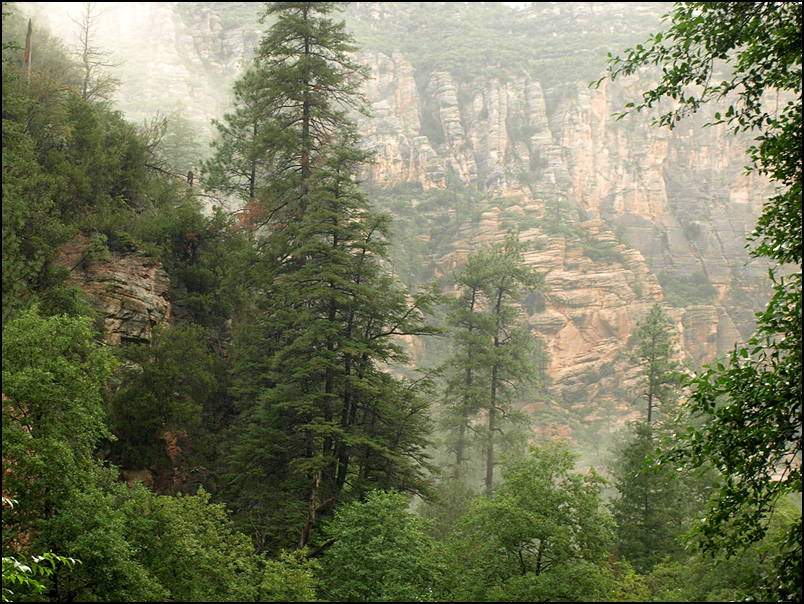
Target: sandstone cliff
680, 200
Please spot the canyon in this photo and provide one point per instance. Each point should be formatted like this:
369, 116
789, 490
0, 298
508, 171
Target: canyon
616, 211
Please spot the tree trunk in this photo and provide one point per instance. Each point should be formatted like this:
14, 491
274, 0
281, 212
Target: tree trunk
311, 510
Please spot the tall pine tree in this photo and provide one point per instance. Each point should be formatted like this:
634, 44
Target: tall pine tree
653, 504
321, 420
464, 388
493, 353
509, 358
654, 353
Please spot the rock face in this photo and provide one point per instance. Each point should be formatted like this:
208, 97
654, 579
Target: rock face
679, 202
128, 292
679, 199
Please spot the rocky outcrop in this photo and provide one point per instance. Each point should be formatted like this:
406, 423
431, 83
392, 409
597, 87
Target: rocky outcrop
681, 197
129, 292
395, 131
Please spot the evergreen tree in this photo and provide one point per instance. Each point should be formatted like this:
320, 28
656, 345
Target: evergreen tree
321, 419
654, 353
172, 387
652, 505
236, 167
464, 387
494, 354
312, 80
289, 108
510, 355
180, 145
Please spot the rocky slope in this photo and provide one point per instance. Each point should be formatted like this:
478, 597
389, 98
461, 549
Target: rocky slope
609, 205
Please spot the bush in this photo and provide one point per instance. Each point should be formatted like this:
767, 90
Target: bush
684, 291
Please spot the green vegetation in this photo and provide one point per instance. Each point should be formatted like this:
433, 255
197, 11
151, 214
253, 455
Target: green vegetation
74, 170
72, 166
682, 291
132, 544
745, 413
655, 355
553, 50
19, 573
244, 137
289, 458
176, 385
380, 552
511, 548
601, 251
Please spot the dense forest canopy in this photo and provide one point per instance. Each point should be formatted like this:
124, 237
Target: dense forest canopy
264, 433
